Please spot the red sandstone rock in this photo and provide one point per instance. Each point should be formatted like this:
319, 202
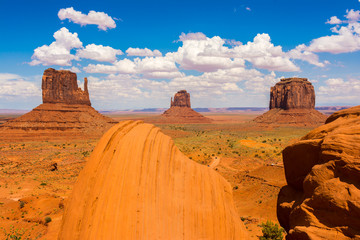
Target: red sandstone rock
138, 185
60, 86
292, 101
322, 198
181, 99
66, 112
292, 93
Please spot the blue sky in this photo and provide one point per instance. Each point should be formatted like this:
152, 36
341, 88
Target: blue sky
137, 54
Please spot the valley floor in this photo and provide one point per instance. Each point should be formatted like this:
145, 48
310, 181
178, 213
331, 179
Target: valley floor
33, 193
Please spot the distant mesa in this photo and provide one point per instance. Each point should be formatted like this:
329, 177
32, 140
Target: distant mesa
292, 101
180, 111
66, 112
322, 198
138, 185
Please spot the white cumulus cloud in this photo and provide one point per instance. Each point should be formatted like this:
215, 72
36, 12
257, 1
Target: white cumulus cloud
263, 54
101, 19
301, 52
124, 66
58, 52
345, 38
339, 90
99, 53
334, 20
143, 52
14, 86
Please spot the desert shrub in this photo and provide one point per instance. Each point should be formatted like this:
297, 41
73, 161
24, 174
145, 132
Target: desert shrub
47, 220
271, 231
86, 153
21, 204
15, 234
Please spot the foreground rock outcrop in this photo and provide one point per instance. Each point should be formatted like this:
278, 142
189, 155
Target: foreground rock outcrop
138, 185
292, 101
180, 111
322, 198
66, 112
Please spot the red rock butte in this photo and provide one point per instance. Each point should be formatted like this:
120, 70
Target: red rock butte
292, 101
322, 198
138, 185
66, 112
180, 111
61, 87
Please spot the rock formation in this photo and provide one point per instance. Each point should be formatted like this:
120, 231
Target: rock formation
66, 112
181, 99
138, 185
292, 101
292, 93
61, 87
322, 198
180, 111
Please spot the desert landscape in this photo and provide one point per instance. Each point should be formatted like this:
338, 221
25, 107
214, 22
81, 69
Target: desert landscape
245, 125
41, 165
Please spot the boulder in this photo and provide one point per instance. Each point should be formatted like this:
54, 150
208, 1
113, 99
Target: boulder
322, 198
138, 185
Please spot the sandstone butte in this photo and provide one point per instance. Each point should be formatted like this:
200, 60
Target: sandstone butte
180, 111
322, 198
66, 112
292, 102
138, 185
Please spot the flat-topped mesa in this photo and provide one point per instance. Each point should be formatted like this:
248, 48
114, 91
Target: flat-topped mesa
292, 93
181, 99
60, 86
292, 102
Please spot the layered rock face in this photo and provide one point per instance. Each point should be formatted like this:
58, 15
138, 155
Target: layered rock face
66, 112
292, 93
322, 198
60, 86
292, 101
138, 185
180, 111
181, 99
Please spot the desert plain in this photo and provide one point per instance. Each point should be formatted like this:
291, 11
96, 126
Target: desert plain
37, 176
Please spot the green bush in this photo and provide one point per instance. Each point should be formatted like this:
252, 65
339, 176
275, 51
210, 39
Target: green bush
47, 220
271, 231
21, 204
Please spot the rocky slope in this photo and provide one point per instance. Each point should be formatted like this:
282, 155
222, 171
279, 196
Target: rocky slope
322, 198
138, 185
292, 101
